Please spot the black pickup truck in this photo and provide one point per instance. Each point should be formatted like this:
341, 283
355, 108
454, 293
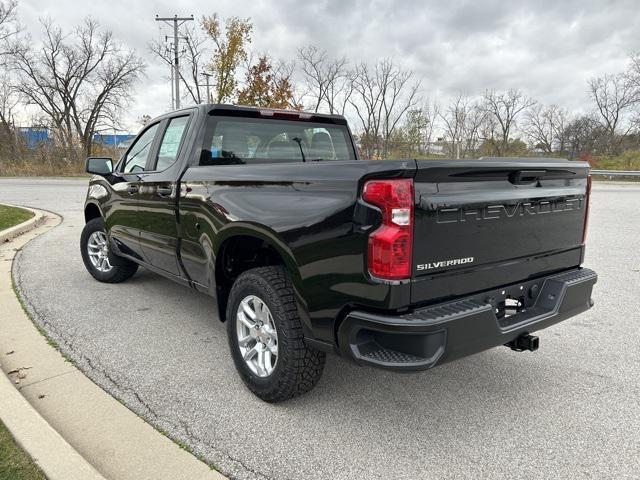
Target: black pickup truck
308, 249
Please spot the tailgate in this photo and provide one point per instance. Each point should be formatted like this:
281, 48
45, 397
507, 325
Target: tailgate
484, 223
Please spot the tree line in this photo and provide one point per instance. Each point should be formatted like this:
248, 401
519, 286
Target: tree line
81, 82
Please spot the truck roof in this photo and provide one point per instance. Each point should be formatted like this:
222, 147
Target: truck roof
242, 110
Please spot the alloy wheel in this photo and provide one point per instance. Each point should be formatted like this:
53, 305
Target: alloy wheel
257, 336
98, 250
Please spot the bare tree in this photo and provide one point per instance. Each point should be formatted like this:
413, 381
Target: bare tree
381, 98
366, 102
313, 61
462, 121
191, 61
582, 135
453, 117
633, 74
9, 101
502, 111
328, 81
298, 93
538, 128
8, 25
81, 82
9, 98
475, 118
613, 96
545, 127
431, 112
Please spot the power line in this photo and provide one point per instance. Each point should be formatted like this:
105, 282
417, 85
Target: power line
177, 21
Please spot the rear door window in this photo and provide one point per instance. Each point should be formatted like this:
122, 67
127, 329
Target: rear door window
171, 141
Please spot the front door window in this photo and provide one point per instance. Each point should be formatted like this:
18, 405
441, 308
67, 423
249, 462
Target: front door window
136, 159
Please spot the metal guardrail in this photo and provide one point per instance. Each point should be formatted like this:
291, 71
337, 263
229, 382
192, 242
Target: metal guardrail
616, 173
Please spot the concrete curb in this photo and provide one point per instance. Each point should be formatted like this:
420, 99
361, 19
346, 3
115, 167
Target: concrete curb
55, 457
12, 232
71, 427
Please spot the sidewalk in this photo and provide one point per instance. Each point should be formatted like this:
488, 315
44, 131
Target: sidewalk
71, 427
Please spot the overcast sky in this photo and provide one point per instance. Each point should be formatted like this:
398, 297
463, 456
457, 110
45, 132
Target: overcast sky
548, 48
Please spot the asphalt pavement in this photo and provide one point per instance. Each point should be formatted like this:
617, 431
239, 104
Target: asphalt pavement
569, 410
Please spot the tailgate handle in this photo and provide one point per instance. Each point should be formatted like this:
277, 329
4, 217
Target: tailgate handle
523, 177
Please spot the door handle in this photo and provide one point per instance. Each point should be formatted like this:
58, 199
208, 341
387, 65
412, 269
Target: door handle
131, 189
164, 191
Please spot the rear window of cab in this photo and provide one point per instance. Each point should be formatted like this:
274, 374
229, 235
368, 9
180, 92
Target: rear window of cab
240, 141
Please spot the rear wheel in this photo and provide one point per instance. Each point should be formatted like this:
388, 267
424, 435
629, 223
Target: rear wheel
265, 336
102, 264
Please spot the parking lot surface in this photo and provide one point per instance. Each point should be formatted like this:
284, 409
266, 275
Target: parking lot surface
569, 410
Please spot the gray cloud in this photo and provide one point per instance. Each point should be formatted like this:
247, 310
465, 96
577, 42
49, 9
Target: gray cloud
549, 48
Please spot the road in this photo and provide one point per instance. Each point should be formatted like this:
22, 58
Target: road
570, 410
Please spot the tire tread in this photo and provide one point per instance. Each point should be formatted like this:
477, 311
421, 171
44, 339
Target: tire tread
305, 364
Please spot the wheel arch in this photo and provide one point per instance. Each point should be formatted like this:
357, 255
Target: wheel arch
243, 247
91, 211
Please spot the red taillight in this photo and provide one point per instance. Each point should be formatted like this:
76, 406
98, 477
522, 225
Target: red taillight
587, 200
391, 244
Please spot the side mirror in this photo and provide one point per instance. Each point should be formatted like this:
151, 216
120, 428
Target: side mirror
99, 165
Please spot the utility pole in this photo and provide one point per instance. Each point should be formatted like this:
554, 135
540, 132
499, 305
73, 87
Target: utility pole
208, 76
173, 104
115, 145
173, 93
177, 21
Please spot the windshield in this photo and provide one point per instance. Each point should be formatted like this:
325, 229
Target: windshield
233, 140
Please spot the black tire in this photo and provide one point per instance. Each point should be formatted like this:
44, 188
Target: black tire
121, 268
298, 367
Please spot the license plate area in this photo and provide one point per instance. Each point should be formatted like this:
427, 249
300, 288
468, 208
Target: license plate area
514, 300
510, 306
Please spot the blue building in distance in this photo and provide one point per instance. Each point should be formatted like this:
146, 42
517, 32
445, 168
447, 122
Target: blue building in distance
34, 136
112, 140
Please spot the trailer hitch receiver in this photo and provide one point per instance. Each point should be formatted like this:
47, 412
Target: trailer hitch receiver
524, 342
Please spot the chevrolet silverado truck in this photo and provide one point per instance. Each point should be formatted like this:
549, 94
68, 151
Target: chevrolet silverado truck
308, 249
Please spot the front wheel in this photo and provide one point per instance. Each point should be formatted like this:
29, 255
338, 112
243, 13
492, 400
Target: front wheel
265, 336
97, 259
